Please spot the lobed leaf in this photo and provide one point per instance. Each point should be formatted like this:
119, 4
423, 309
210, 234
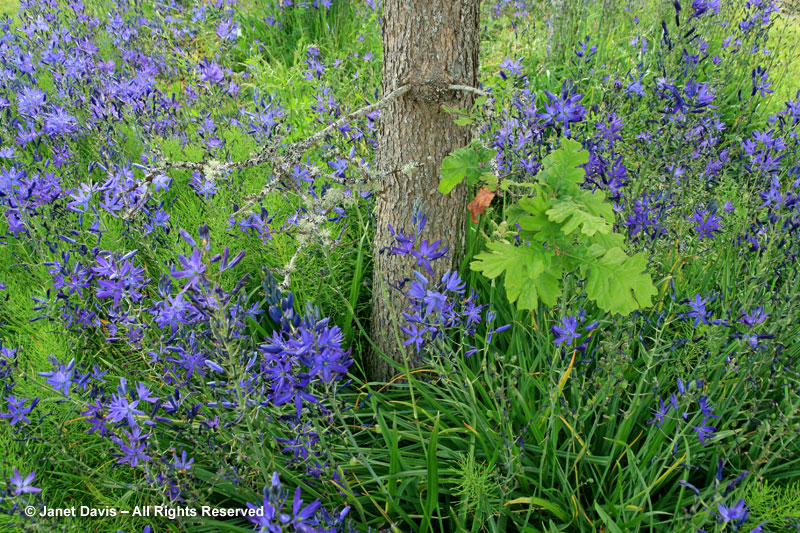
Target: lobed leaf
562, 171
463, 163
618, 283
573, 216
550, 219
455, 168
531, 274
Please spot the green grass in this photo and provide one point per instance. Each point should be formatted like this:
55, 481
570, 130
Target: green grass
9, 7
789, 54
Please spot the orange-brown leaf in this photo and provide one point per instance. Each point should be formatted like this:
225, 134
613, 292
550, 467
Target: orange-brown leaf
479, 204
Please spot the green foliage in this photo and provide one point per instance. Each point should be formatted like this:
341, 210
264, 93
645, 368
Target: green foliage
464, 163
777, 505
476, 483
467, 117
532, 272
566, 229
618, 282
8, 7
299, 26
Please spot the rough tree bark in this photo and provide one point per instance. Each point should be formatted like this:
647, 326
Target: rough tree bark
429, 45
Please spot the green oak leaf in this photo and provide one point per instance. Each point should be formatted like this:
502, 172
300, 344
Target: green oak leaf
595, 203
618, 283
601, 244
484, 154
463, 163
456, 166
530, 272
536, 225
565, 228
573, 216
562, 170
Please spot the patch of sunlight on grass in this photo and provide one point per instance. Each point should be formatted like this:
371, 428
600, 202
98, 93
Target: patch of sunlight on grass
9, 7
789, 54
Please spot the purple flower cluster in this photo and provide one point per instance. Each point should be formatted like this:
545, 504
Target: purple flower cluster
706, 223
202, 343
93, 107
308, 350
679, 403
441, 308
647, 218
16, 408
312, 518
729, 515
567, 331
683, 143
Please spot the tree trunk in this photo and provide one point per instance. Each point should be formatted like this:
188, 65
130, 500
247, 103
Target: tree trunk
429, 45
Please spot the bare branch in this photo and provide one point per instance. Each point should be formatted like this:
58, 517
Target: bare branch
308, 143
282, 156
467, 88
